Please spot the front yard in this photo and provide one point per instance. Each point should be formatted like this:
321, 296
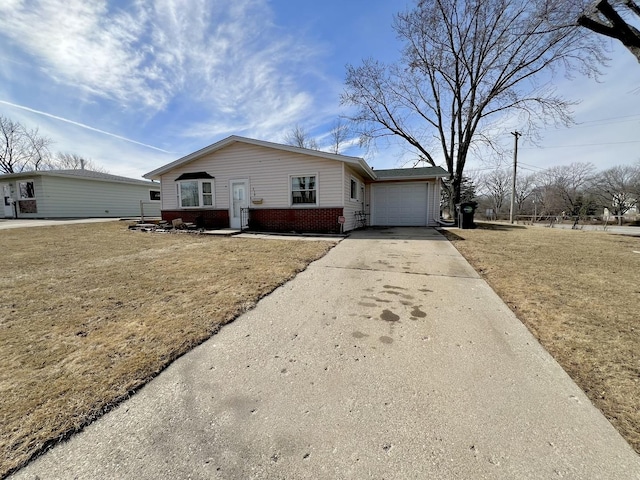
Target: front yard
579, 294
89, 313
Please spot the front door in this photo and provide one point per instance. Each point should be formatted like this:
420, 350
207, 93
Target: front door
239, 200
5, 191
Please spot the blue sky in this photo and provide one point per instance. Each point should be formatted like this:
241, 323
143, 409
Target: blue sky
135, 85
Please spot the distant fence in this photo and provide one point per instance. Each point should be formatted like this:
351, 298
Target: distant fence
574, 220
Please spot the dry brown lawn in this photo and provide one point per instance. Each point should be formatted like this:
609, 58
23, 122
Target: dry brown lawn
579, 294
89, 313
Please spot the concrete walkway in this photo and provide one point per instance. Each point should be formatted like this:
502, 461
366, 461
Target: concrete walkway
8, 223
389, 358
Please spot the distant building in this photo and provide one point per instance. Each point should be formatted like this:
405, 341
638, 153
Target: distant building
76, 194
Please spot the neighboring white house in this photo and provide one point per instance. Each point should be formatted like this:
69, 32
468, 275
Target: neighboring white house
242, 182
76, 194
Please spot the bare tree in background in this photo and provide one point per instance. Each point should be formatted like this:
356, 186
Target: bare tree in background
616, 189
298, 137
73, 161
465, 65
22, 149
562, 188
606, 18
339, 134
525, 187
496, 187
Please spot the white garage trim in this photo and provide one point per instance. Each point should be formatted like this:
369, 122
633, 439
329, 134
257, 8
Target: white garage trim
401, 204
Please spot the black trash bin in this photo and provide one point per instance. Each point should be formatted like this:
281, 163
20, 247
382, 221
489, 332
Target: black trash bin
466, 211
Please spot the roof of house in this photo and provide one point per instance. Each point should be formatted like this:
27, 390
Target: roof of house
355, 162
78, 173
410, 173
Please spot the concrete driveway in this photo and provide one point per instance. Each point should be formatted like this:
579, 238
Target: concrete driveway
389, 358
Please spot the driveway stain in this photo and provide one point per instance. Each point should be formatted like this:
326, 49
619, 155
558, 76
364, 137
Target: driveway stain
393, 287
358, 334
389, 316
416, 312
367, 304
376, 299
400, 294
386, 340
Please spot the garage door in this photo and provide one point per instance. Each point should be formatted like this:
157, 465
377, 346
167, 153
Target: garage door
399, 204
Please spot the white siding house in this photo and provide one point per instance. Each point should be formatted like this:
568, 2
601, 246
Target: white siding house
246, 183
76, 194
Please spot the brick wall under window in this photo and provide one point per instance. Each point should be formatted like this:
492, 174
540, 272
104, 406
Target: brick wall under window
311, 220
212, 219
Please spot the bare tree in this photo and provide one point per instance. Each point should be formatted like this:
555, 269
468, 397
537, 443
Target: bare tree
338, 135
562, 188
467, 63
615, 189
496, 186
22, 149
73, 161
606, 18
525, 187
298, 137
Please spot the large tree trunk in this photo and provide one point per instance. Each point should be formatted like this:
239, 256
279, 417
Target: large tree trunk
454, 198
607, 21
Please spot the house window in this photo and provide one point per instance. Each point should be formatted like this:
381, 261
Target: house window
304, 190
26, 189
195, 193
354, 189
154, 195
207, 193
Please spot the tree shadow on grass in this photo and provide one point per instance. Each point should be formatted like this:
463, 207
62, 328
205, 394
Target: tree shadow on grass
450, 234
504, 227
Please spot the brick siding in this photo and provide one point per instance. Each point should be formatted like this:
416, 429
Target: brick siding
211, 219
311, 220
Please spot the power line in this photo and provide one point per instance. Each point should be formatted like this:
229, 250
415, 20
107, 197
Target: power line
581, 145
581, 125
531, 166
611, 118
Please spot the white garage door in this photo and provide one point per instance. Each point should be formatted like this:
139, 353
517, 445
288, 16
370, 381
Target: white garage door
399, 204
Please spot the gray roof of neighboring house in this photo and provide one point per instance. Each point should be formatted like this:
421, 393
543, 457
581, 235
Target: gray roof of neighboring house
413, 173
80, 173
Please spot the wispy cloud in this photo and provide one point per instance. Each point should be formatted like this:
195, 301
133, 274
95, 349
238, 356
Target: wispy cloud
81, 125
227, 57
83, 44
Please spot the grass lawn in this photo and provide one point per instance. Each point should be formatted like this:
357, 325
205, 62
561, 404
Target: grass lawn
579, 294
91, 312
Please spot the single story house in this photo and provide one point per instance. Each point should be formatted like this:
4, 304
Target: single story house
242, 182
76, 194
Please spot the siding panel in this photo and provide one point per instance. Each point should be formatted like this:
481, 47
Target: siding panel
352, 206
60, 197
268, 172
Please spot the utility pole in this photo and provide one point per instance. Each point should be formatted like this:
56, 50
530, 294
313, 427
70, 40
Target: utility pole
513, 184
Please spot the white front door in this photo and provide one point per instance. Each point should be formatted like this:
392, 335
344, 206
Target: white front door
5, 191
239, 192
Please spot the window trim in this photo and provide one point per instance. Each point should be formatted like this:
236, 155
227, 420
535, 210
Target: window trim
19, 183
316, 189
354, 184
159, 195
201, 193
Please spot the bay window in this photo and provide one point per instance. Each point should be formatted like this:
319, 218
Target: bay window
195, 193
